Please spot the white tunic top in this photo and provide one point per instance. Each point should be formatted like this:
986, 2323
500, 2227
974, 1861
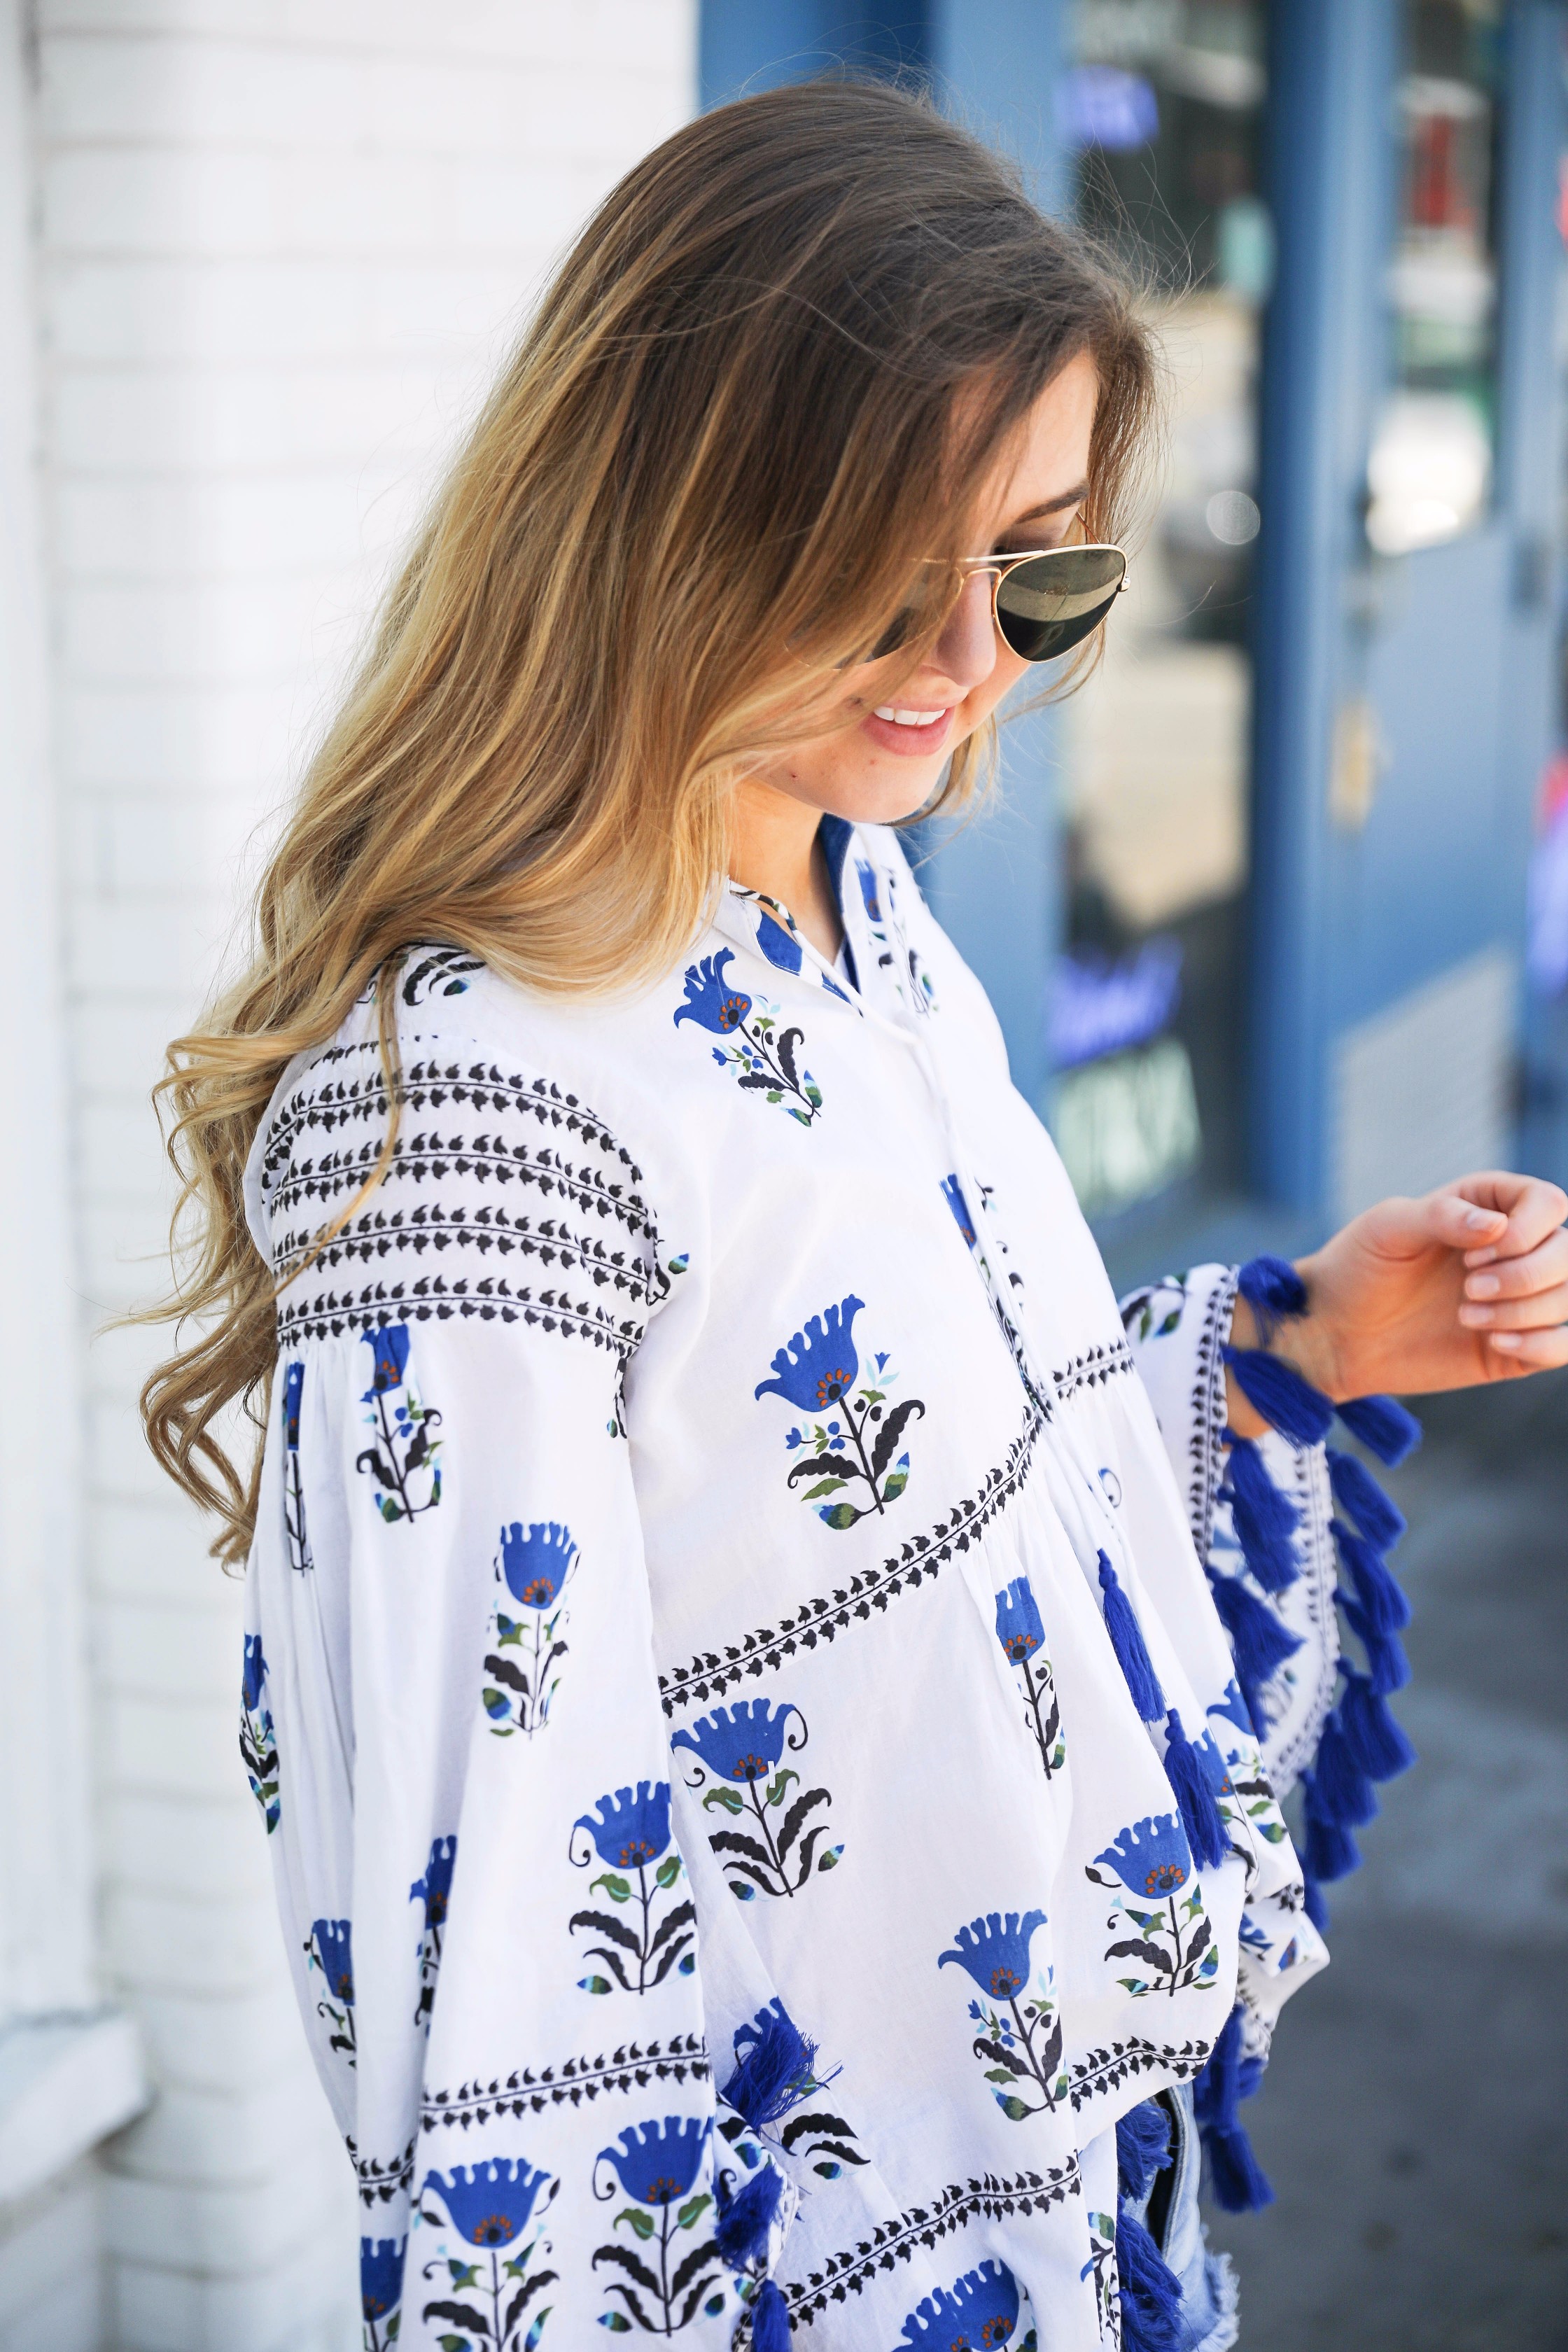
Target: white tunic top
678, 1591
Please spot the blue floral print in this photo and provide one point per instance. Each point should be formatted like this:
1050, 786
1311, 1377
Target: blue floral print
658, 2165
632, 1838
980, 2309
953, 1194
257, 1740
763, 1056
778, 945
1020, 2033
1023, 1637
401, 1459
381, 2289
293, 1487
816, 1371
533, 1564
330, 1947
434, 1891
490, 2206
744, 1745
1151, 1859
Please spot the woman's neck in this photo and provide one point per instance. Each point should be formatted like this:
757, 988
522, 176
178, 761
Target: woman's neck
775, 848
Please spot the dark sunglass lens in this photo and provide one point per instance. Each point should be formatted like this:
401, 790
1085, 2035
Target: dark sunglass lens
1046, 607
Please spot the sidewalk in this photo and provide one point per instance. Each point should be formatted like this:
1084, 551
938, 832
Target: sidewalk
1414, 2119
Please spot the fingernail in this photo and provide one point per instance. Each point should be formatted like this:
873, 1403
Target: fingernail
1476, 1318
1475, 1218
1483, 1285
1481, 1257
1508, 1340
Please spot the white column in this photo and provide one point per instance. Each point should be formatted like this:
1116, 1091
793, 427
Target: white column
282, 244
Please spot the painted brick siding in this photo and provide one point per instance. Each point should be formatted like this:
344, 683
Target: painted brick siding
281, 244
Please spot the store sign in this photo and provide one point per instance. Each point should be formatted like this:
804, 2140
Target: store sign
1128, 1126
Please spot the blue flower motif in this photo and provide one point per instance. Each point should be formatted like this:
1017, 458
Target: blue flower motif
743, 1742
435, 1889
1233, 1708
381, 2276
536, 1561
866, 878
333, 1939
389, 1360
661, 2165
490, 2203
995, 1951
255, 1673
776, 943
1217, 1771
819, 1365
953, 1194
1018, 1626
632, 1830
1150, 1858
708, 1001
293, 1383
979, 2310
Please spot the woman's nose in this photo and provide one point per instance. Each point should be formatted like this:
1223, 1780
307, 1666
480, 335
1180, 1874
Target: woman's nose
966, 650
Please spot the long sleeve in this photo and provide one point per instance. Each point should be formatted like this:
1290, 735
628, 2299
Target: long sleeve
451, 1684
1282, 1627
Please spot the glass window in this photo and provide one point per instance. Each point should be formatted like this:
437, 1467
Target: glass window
1431, 467
1162, 109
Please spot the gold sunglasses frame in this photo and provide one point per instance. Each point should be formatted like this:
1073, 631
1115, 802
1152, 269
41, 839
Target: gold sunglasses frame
999, 566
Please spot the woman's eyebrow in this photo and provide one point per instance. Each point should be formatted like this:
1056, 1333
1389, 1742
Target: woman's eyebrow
1052, 506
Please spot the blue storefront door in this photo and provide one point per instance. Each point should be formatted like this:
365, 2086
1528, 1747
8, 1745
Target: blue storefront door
1406, 702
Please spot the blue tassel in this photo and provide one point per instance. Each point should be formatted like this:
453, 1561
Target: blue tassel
1331, 1851
1358, 1492
1238, 2181
1383, 1425
1143, 2148
1259, 1644
1317, 1910
746, 2215
771, 2328
1151, 2291
777, 2067
1288, 1402
1373, 1738
1388, 1668
1265, 1520
1201, 1815
1127, 1641
1384, 1606
1346, 1794
1274, 1291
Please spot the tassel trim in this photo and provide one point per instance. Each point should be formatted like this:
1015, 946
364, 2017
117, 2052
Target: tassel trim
1237, 2180
1151, 2291
1127, 1641
1143, 2148
775, 2069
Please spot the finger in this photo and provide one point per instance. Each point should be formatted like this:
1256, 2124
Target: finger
1519, 1278
1533, 1209
1454, 1217
1537, 1314
1531, 1351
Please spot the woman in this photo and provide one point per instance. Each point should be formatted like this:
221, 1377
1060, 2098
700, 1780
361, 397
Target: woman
759, 1788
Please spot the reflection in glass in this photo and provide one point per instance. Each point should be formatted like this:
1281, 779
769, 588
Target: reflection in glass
1162, 107
1430, 472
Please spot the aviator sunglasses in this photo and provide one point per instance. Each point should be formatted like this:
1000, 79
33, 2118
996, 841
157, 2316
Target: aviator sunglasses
1043, 601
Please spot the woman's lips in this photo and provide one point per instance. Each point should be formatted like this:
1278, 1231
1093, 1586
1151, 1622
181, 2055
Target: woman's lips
909, 741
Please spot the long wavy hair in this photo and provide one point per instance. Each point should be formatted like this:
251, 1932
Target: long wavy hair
731, 432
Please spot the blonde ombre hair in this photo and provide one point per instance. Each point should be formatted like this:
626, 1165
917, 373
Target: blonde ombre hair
730, 434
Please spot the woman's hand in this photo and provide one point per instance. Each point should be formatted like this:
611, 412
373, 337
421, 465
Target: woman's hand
1469, 1285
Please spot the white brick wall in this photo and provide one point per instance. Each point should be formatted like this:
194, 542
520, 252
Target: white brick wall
280, 245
